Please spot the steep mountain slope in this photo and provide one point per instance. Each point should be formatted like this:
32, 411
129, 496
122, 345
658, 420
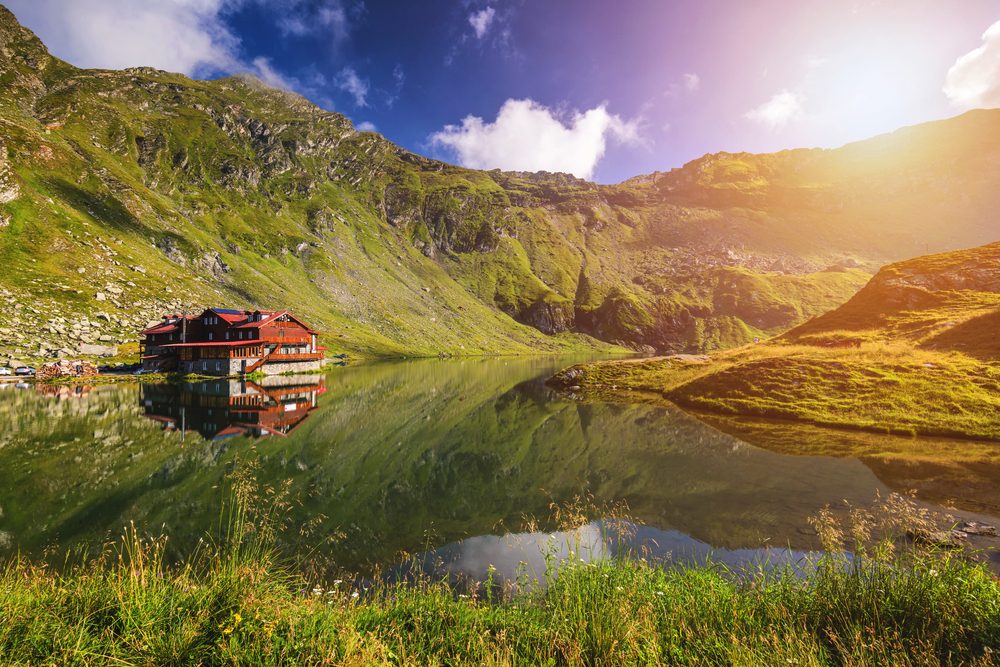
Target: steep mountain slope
949, 301
127, 193
915, 351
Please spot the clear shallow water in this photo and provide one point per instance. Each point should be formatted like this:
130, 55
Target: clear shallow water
447, 460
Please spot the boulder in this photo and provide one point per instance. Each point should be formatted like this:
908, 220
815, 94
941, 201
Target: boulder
98, 350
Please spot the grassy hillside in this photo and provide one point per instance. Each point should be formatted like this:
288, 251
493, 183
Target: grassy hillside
124, 194
949, 301
912, 352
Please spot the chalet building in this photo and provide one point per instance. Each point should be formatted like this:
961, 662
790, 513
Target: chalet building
224, 408
224, 342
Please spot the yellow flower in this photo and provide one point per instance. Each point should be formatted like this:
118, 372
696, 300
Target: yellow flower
237, 618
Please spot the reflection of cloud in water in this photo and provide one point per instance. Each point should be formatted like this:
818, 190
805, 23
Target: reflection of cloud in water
529, 555
516, 553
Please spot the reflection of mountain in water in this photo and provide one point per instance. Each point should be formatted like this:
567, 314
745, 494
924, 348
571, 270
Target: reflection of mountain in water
404, 456
219, 409
960, 473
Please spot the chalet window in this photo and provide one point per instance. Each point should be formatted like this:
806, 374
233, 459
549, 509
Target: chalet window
210, 335
204, 365
218, 365
227, 335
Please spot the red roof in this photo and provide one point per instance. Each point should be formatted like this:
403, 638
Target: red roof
164, 327
268, 316
228, 315
236, 319
168, 326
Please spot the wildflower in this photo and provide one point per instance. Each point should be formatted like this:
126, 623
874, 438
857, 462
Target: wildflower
237, 619
659, 592
355, 594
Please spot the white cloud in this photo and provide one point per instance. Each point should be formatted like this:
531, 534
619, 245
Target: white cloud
974, 79
175, 35
349, 81
778, 111
365, 126
302, 17
265, 72
688, 84
187, 36
481, 20
527, 136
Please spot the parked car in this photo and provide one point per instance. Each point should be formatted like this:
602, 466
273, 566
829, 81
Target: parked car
5, 371
24, 370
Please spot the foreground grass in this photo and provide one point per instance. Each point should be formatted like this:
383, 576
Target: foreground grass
240, 607
883, 387
608, 613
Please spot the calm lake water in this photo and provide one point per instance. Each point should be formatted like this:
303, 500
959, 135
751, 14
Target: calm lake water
456, 463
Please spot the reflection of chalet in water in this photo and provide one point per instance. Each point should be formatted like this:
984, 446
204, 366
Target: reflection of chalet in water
224, 408
222, 341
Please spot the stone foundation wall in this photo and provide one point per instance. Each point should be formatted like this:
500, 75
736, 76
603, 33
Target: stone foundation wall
291, 367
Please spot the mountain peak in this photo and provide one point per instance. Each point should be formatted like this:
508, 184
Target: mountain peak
16, 40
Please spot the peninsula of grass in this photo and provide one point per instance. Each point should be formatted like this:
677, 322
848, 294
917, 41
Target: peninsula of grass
882, 387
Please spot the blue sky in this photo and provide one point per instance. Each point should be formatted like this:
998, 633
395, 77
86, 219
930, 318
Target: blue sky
603, 90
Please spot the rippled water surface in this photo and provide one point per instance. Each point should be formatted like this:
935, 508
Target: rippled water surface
455, 461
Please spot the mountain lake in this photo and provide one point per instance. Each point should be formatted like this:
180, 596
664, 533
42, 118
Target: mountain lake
452, 467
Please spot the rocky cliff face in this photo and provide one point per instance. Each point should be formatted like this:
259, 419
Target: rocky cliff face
231, 192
